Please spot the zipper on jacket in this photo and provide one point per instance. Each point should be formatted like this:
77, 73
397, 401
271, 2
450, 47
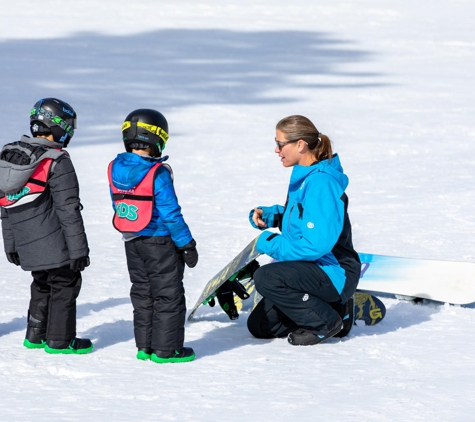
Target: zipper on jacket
290, 216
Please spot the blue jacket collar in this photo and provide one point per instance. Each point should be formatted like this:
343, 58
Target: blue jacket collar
332, 168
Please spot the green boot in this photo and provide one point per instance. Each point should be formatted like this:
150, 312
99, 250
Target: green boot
144, 353
77, 346
35, 337
185, 354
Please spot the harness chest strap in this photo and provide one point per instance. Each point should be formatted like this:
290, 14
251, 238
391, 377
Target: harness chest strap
133, 207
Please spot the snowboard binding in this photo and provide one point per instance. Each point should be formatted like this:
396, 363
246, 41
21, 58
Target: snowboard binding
233, 286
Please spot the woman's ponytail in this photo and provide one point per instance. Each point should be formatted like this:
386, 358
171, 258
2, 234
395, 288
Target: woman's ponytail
300, 127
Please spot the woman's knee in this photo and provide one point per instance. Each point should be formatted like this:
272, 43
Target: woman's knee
266, 278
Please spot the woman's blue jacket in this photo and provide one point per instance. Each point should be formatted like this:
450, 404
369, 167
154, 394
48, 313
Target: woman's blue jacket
314, 224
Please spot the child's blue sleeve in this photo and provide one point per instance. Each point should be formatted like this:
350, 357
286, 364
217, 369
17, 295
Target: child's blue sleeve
166, 202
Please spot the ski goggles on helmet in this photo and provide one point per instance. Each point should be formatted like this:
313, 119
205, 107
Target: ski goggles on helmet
151, 134
155, 130
42, 114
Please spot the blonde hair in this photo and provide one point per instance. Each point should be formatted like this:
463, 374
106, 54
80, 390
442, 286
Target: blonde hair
299, 127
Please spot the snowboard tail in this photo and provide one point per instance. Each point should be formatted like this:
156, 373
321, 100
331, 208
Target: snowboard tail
369, 308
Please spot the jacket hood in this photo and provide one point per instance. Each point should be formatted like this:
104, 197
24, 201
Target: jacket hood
332, 168
129, 169
20, 159
41, 142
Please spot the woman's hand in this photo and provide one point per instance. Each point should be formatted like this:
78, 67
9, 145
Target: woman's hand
257, 218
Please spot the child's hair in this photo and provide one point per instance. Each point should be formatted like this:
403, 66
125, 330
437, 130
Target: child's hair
139, 145
299, 127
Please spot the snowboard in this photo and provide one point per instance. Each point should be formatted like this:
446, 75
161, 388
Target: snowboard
233, 287
442, 281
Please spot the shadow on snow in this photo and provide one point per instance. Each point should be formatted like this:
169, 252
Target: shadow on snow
106, 76
19, 323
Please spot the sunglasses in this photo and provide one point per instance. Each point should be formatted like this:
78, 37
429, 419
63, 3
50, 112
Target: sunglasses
281, 145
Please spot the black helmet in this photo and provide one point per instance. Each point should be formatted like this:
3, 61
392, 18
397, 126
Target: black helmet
148, 127
51, 116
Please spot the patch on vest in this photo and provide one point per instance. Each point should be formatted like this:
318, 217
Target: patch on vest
15, 196
123, 210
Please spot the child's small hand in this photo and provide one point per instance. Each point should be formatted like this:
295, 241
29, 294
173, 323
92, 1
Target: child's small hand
190, 254
257, 218
13, 258
79, 264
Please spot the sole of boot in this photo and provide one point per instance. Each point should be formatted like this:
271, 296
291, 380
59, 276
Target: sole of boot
141, 355
29, 345
156, 359
68, 351
317, 340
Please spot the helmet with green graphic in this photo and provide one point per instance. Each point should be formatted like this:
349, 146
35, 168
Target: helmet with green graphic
145, 128
50, 116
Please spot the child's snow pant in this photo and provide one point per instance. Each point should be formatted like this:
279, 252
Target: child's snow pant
53, 301
156, 271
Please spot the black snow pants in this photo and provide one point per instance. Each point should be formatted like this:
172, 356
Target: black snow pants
53, 301
156, 271
296, 294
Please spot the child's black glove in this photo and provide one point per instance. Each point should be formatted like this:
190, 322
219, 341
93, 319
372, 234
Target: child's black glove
190, 254
13, 258
79, 264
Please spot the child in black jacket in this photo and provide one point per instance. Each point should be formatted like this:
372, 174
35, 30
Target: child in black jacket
42, 226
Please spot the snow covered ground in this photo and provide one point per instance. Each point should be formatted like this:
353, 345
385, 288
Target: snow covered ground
391, 82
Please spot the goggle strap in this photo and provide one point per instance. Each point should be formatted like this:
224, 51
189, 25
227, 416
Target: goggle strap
156, 130
58, 121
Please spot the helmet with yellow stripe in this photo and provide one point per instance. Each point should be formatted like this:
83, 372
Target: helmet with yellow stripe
145, 127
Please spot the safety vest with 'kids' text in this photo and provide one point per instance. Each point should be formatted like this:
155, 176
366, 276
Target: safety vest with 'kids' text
133, 207
34, 187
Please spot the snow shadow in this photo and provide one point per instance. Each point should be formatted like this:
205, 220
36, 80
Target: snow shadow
227, 335
86, 308
223, 336
16, 324
108, 334
104, 77
19, 323
399, 315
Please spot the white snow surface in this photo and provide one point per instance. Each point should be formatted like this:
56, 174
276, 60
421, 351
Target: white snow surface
391, 82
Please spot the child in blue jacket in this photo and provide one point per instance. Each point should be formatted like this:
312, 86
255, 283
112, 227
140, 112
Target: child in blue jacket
158, 242
307, 295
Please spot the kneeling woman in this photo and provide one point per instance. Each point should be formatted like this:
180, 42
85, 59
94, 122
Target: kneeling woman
307, 294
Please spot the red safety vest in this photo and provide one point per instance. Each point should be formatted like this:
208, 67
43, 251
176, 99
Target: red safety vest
133, 207
35, 186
